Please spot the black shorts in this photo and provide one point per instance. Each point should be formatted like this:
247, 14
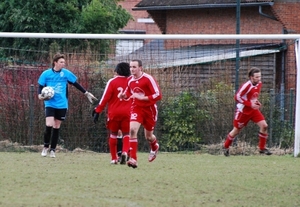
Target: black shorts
59, 114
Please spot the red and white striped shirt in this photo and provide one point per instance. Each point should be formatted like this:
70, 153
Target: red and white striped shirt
247, 94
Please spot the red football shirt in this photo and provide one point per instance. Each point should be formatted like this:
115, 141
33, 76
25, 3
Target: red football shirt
145, 85
246, 94
116, 108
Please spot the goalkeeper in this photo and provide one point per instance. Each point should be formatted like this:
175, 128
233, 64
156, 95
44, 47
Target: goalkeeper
118, 111
56, 107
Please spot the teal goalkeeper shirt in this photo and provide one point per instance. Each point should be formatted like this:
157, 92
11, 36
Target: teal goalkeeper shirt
58, 80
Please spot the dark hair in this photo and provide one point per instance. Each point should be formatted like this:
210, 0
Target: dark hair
56, 57
252, 71
139, 62
123, 69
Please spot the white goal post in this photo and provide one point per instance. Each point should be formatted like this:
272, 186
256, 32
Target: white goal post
295, 37
297, 113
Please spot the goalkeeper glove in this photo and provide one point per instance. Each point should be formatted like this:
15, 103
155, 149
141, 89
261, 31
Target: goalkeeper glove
90, 97
95, 115
43, 98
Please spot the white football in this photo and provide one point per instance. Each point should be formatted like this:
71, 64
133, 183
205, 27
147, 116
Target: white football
48, 92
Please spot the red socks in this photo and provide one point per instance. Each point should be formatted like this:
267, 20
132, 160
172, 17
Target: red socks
153, 145
262, 140
134, 146
125, 143
228, 141
113, 147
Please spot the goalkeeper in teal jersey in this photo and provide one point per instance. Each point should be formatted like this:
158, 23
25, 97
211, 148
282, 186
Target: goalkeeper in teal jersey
56, 107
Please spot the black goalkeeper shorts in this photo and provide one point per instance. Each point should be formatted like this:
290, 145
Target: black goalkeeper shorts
59, 114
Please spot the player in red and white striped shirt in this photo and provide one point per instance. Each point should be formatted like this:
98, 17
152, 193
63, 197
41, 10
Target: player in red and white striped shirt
118, 111
248, 109
144, 92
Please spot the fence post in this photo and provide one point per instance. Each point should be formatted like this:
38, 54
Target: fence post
291, 106
31, 112
272, 106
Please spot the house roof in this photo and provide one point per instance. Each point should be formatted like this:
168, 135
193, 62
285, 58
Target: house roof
154, 54
196, 4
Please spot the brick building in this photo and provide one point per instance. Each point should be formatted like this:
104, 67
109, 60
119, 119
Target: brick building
141, 23
219, 17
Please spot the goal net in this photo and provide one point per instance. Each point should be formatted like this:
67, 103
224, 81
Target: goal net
198, 76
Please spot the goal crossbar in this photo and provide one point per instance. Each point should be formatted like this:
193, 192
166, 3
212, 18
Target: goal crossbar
147, 36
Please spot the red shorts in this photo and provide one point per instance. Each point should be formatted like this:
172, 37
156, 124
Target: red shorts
116, 124
147, 116
241, 120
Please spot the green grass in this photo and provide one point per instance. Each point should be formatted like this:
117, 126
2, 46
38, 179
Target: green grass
87, 179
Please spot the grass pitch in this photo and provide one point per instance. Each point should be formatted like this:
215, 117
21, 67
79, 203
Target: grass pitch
87, 179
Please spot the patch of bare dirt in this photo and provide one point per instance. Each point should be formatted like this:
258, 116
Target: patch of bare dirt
241, 148
7, 145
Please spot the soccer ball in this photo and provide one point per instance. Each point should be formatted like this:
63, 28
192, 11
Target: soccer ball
48, 92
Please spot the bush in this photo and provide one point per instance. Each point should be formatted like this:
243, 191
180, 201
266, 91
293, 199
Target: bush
181, 119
